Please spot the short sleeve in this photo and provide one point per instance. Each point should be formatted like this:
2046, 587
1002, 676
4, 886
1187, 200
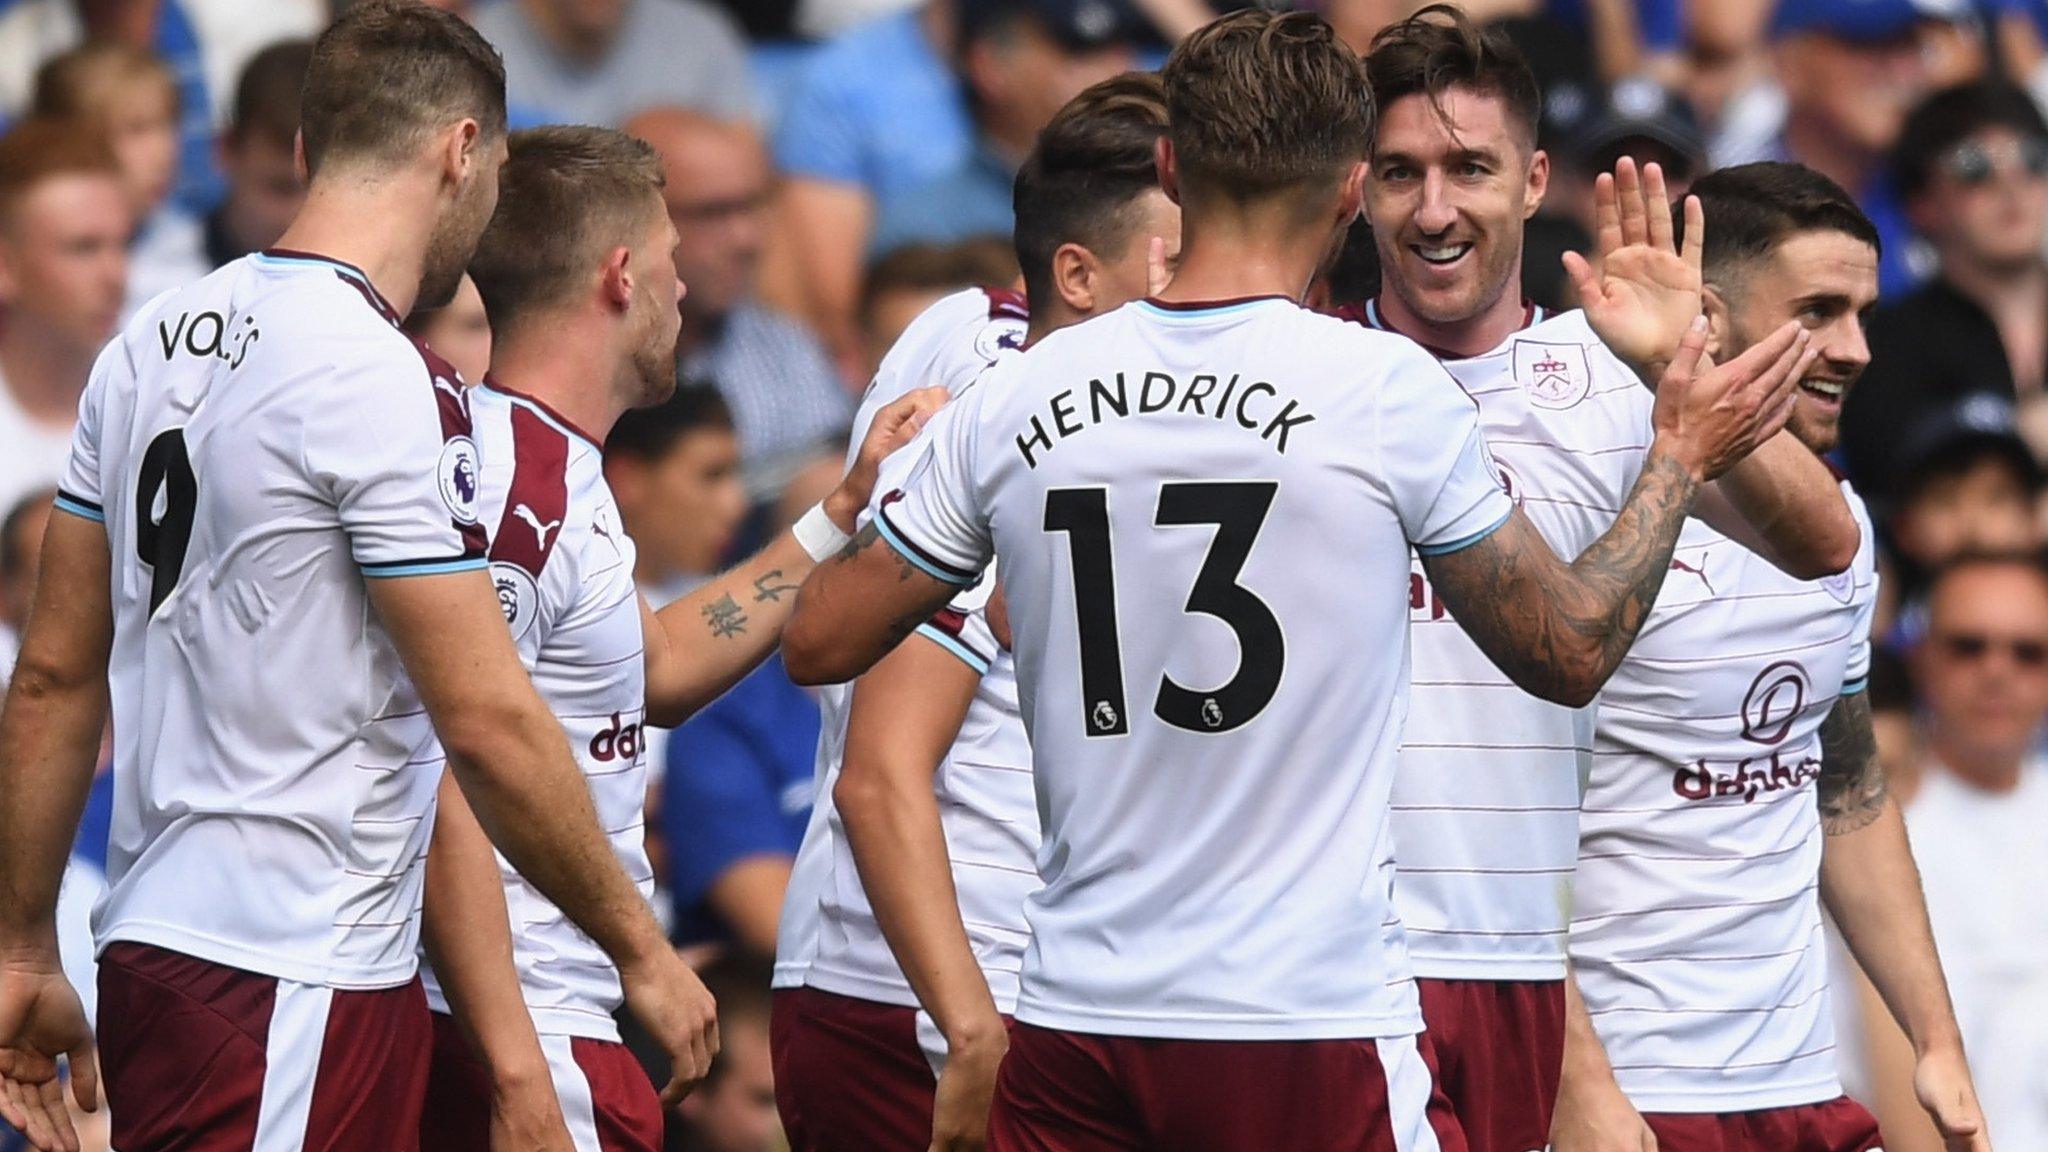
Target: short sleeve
1433, 458
934, 516
1856, 674
818, 137
80, 492
392, 450
962, 628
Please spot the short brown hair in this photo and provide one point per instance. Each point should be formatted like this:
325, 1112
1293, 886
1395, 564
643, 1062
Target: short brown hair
1751, 209
566, 195
1090, 163
76, 85
267, 95
1263, 102
39, 148
1440, 48
388, 73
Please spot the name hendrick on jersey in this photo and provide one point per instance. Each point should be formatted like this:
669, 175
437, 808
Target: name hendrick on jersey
1202, 515
1697, 936
259, 444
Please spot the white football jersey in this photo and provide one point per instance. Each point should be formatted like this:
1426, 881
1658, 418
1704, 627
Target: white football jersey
948, 345
563, 567
258, 444
1203, 516
1697, 937
990, 818
1486, 802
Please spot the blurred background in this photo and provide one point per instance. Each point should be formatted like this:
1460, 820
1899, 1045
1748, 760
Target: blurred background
836, 165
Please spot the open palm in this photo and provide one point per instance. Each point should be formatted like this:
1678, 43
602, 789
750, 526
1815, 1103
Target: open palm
1641, 291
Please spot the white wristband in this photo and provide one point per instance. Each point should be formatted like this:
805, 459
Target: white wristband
817, 535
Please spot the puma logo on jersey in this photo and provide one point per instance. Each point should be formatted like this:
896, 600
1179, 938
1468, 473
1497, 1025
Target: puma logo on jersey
450, 387
1678, 565
540, 530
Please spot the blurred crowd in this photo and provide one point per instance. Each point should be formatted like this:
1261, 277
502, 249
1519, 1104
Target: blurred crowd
834, 166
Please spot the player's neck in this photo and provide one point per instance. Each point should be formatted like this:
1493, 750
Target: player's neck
44, 374
392, 256
1231, 264
1474, 335
551, 362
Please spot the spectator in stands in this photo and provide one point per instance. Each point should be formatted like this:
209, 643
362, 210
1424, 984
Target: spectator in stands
256, 154
1972, 166
1977, 826
130, 98
876, 114
774, 375
64, 224
1849, 71
458, 331
1019, 61
737, 789
674, 469
905, 282
734, 1109
600, 61
205, 42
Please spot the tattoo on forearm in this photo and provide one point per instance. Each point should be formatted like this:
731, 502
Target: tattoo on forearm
870, 537
1565, 637
725, 617
1852, 791
770, 586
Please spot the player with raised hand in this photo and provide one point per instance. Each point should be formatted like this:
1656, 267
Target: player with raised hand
931, 822
1735, 789
1485, 802
578, 275
1202, 507
267, 543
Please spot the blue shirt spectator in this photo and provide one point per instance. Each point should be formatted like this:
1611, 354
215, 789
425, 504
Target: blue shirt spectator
737, 787
972, 200
879, 108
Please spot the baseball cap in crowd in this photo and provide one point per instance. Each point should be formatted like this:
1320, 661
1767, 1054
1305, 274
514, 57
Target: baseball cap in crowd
1078, 25
1972, 427
1863, 21
1642, 119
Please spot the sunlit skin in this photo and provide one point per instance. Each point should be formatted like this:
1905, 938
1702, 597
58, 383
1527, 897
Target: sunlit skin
1447, 195
1987, 705
1827, 281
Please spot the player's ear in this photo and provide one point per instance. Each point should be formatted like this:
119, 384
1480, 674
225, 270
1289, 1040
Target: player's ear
1169, 174
1715, 305
1074, 269
1353, 201
1539, 182
618, 278
459, 151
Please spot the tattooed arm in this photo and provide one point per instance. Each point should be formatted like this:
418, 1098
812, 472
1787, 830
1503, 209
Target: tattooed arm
1871, 887
856, 607
707, 641
1559, 630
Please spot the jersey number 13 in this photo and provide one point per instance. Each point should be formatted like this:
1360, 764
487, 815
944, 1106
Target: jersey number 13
1238, 510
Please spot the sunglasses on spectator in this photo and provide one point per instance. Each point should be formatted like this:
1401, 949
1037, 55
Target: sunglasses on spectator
2029, 654
1974, 165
